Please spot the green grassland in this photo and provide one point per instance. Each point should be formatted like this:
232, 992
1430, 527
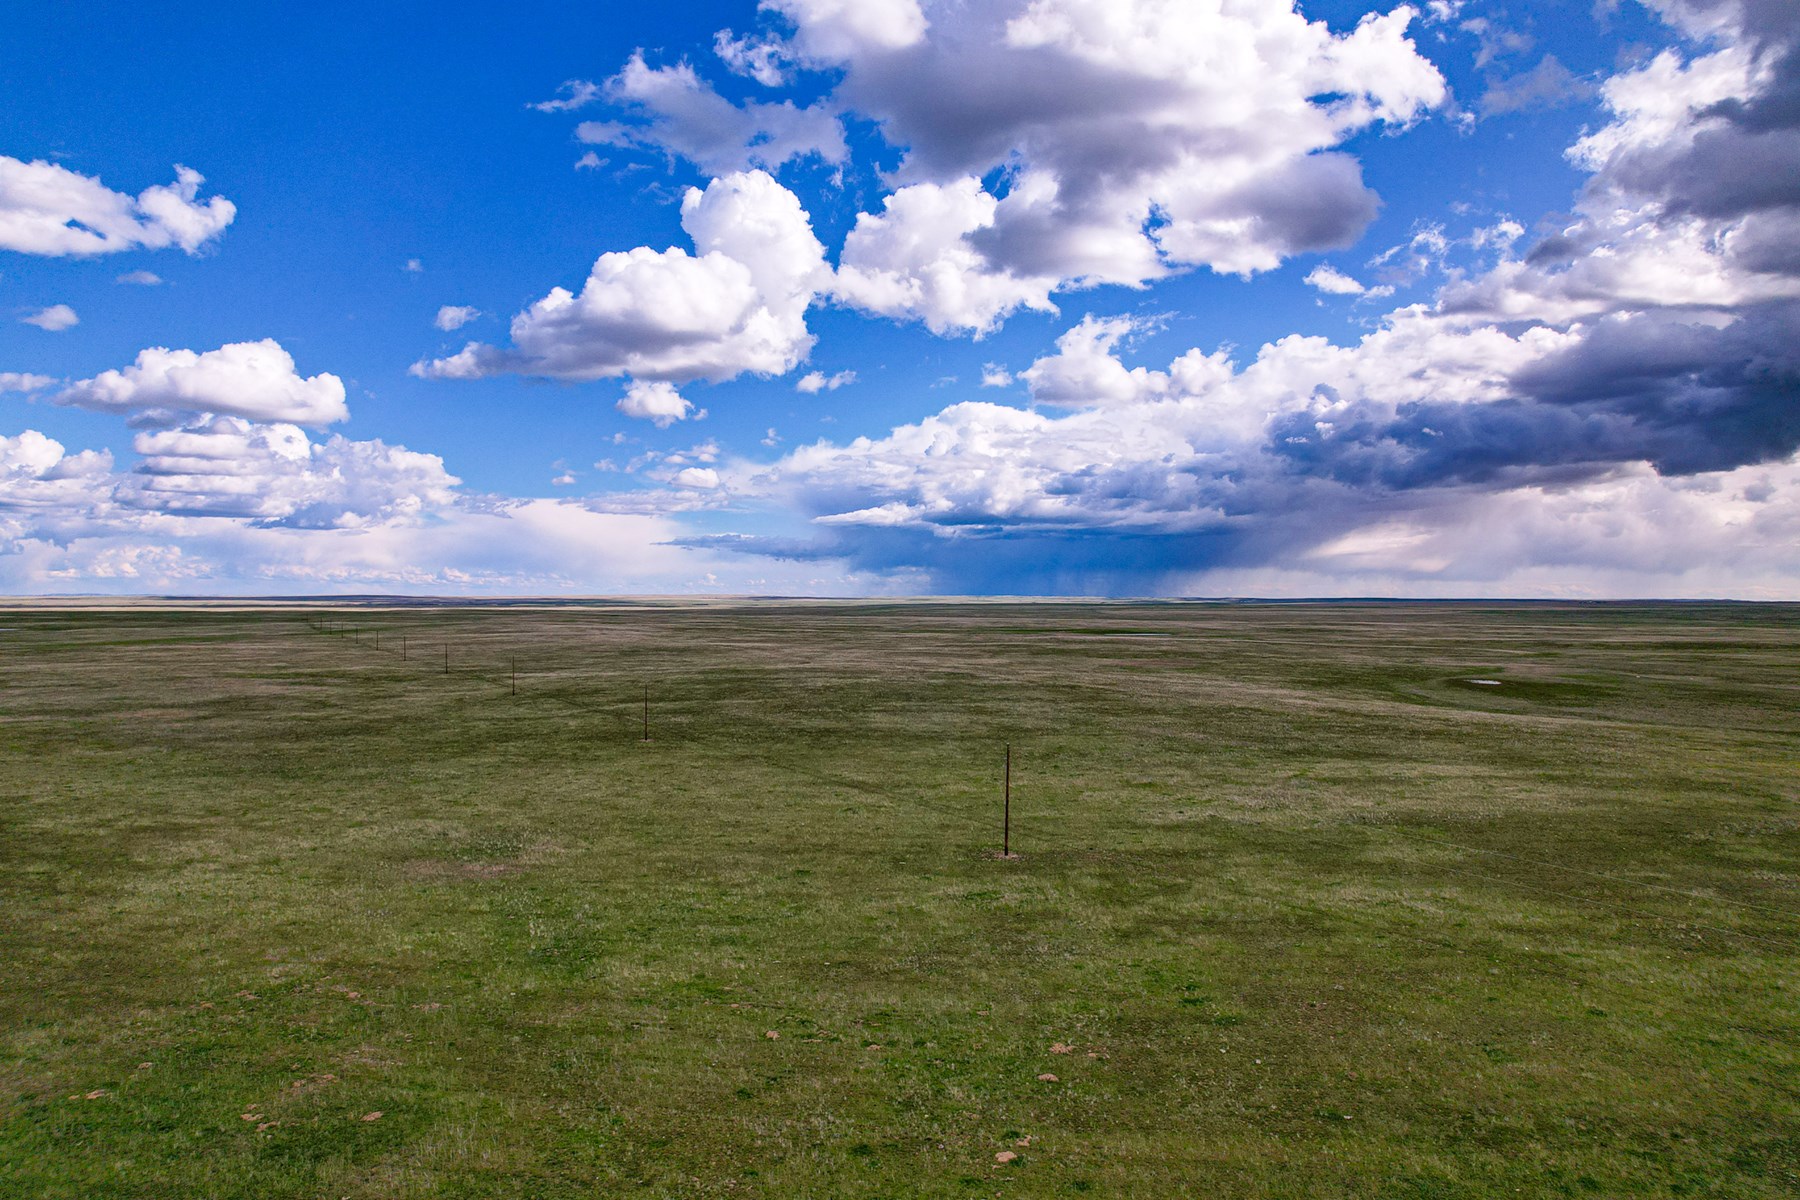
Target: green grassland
1299, 910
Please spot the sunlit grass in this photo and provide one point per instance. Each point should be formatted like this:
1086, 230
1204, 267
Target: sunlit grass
1299, 910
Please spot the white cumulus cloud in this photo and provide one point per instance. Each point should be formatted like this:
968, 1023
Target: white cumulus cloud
914, 261
679, 112
23, 381
814, 382
1329, 279
275, 474
455, 316
36, 473
762, 59
226, 505
656, 401
1130, 138
736, 305
56, 318
1137, 137
51, 210
832, 30
256, 380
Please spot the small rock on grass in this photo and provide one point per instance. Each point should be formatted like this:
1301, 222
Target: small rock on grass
1006, 1156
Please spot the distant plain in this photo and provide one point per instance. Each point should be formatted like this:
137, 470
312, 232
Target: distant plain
1310, 900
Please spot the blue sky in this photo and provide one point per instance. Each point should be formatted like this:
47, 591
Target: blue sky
1006, 296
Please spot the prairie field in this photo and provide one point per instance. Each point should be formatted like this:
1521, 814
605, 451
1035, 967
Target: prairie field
1306, 900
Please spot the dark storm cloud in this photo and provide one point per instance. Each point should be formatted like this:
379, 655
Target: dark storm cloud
1727, 171
1683, 397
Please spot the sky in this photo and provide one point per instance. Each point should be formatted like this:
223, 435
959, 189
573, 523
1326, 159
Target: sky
902, 297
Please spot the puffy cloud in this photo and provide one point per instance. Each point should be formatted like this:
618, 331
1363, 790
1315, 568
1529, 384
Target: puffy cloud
455, 316
737, 305
1761, 24
762, 59
1328, 278
219, 503
274, 474
55, 319
1691, 195
50, 210
36, 473
227, 506
1085, 372
914, 261
835, 30
23, 381
227, 467
685, 116
245, 379
657, 402
814, 382
1135, 136
220, 466
1673, 139
1124, 139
